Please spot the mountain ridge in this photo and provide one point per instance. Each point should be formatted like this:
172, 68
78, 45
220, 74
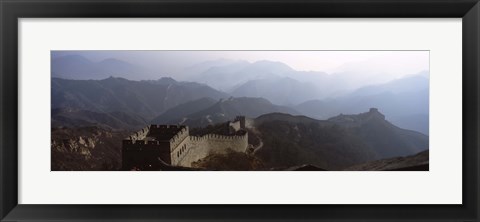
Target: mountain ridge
145, 98
336, 143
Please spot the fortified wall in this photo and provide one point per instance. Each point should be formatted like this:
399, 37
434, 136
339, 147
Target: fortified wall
174, 146
142, 149
357, 120
202, 146
140, 135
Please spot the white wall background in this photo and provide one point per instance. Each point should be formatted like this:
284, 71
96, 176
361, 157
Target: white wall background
441, 185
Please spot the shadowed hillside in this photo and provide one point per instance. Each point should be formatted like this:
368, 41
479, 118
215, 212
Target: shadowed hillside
86, 148
65, 117
333, 144
225, 110
413, 162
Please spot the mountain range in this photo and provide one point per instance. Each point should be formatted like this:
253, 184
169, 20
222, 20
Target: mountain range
205, 111
230, 76
333, 144
315, 94
147, 99
80, 68
404, 101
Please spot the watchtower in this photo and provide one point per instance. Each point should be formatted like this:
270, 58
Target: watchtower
158, 142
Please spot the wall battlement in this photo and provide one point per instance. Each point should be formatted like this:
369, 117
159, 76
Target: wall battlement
217, 137
139, 135
179, 137
174, 145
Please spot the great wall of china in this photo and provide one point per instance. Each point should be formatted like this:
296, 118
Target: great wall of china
174, 146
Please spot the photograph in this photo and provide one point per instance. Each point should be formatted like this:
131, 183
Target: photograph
249, 110
315, 110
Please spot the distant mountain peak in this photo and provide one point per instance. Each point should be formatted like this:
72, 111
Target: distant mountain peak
373, 110
269, 64
167, 80
245, 99
112, 60
358, 119
114, 78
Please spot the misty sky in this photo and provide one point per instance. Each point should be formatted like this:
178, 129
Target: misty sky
392, 63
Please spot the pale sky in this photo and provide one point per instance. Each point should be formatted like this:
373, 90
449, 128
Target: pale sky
394, 63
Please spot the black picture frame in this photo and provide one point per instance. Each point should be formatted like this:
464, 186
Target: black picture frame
11, 11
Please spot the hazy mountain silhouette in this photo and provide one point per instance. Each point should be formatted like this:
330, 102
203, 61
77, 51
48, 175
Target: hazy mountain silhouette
80, 68
283, 85
226, 110
226, 77
386, 139
404, 101
283, 91
183, 110
147, 99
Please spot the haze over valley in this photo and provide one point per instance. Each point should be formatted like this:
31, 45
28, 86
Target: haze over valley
343, 117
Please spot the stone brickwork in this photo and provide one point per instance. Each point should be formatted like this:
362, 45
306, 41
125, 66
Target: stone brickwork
174, 146
201, 146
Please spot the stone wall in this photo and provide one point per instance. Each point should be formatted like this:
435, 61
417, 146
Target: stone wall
201, 147
139, 135
176, 140
177, 147
180, 151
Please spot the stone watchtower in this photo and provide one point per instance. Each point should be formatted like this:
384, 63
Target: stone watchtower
242, 120
143, 149
376, 113
157, 146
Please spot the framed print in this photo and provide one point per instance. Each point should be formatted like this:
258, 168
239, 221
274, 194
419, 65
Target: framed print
311, 110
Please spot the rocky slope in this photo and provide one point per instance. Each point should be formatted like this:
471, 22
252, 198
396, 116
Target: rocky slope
86, 148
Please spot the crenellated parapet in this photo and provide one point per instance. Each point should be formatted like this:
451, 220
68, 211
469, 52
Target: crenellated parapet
181, 135
139, 135
154, 126
174, 145
218, 137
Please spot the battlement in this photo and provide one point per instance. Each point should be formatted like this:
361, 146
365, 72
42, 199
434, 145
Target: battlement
139, 135
173, 145
358, 119
141, 142
218, 137
239, 118
153, 126
179, 137
166, 132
